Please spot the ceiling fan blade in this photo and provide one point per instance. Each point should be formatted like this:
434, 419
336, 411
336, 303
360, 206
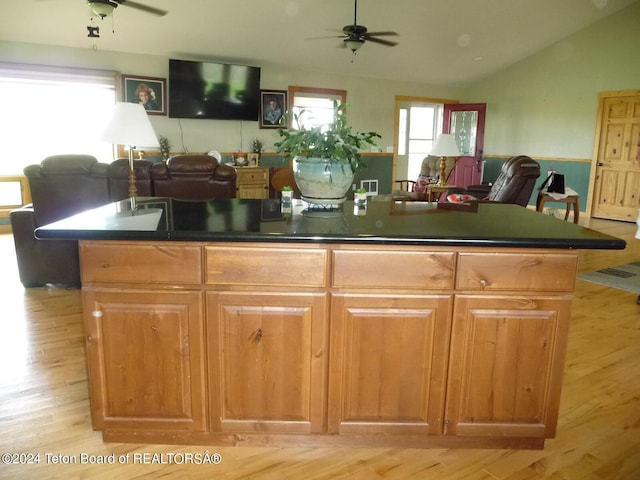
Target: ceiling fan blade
324, 38
382, 34
379, 41
142, 7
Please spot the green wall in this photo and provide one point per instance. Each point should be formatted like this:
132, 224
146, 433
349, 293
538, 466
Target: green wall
546, 105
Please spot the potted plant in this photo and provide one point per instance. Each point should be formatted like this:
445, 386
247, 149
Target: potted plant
165, 147
325, 158
360, 197
257, 146
287, 194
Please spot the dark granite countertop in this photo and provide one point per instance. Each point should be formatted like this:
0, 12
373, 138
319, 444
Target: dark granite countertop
382, 222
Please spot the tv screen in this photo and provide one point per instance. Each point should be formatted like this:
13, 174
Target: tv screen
213, 90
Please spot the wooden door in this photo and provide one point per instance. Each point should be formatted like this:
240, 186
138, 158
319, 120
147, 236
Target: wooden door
466, 123
268, 361
145, 353
616, 172
506, 365
388, 363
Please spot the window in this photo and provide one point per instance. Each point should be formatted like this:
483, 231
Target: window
317, 104
418, 127
51, 110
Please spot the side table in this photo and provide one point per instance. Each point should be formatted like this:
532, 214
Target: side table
570, 198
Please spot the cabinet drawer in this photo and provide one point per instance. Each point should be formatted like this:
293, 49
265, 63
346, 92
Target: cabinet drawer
251, 175
228, 265
130, 262
516, 271
380, 269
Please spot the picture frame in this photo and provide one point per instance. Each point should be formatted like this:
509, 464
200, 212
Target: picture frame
154, 89
273, 105
253, 159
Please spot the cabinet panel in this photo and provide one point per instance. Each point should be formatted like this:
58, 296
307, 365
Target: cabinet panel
506, 364
267, 361
516, 271
139, 262
405, 269
388, 363
146, 359
252, 182
228, 265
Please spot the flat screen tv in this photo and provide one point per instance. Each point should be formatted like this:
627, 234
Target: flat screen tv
213, 90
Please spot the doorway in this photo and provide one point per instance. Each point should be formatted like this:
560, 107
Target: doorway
420, 120
615, 171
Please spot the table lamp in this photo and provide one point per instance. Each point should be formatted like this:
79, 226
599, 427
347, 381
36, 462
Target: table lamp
444, 146
130, 126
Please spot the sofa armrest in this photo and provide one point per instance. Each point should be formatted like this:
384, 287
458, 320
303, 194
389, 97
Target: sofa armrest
41, 262
224, 173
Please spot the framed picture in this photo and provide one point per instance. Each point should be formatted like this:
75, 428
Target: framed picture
273, 105
150, 92
253, 159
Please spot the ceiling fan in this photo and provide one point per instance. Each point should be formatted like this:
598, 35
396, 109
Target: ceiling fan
104, 8
356, 35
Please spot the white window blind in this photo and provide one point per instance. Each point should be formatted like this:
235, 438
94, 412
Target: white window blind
51, 111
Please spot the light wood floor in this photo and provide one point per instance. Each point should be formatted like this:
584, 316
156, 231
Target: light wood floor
44, 405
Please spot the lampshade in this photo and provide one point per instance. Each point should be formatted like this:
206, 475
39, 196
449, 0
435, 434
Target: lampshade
102, 8
353, 45
445, 146
130, 125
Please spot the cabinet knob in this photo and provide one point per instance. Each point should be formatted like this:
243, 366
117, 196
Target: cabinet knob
258, 336
483, 283
97, 313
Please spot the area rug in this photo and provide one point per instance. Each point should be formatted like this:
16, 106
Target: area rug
624, 277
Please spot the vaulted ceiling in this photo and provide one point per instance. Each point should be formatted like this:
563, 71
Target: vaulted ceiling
439, 41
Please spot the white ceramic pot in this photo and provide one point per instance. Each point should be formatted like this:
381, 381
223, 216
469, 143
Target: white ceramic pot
322, 181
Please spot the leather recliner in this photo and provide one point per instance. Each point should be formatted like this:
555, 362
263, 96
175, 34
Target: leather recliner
61, 186
515, 183
193, 177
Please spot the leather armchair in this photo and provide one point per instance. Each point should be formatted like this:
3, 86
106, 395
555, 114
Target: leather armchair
61, 186
515, 183
193, 176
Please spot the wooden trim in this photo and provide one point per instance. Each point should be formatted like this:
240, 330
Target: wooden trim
619, 93
25, 193
402, 98
396, 124
293, 89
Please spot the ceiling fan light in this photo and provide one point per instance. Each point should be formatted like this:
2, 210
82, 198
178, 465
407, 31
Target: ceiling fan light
353, 44
102, 9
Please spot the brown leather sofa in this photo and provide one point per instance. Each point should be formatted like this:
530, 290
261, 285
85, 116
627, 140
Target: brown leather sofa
61, 186
515, 183
64, 185
193, 177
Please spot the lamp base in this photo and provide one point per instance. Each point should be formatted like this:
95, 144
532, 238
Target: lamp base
442, 181
133, 190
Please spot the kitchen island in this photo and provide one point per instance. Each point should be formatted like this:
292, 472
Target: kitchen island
398, 324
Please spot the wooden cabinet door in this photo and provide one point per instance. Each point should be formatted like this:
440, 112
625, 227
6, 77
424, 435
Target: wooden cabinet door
268, 357
616, 173
145, 354
506, 364
252, 182
388, 363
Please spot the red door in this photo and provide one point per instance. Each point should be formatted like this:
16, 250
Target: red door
466, 122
